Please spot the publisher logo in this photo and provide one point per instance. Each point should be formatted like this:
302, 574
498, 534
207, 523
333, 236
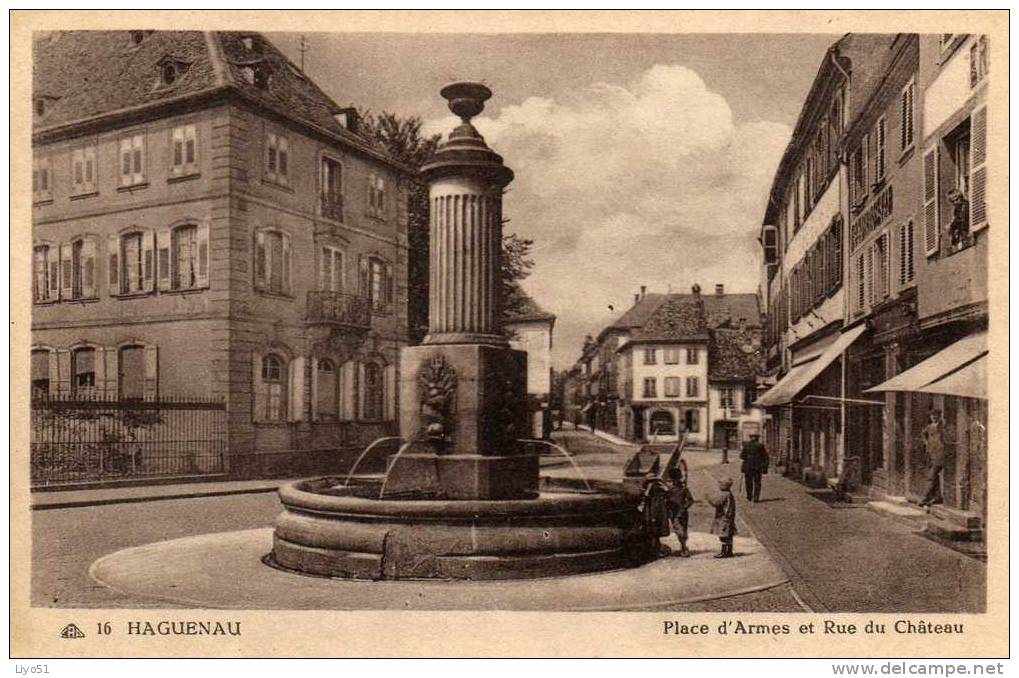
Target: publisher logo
72, 631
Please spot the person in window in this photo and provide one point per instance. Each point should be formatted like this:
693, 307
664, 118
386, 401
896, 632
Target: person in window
934, 441
958, 229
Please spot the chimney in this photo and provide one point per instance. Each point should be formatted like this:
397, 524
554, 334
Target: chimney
636, 298
696, 289
719, 289
643, 290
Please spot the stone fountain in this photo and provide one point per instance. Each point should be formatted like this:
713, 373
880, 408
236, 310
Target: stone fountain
461, 499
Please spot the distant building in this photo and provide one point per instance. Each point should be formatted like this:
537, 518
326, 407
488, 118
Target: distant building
530, 329
207, 224
652, 371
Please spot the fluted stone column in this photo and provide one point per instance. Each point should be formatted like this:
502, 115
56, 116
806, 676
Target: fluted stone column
463, 392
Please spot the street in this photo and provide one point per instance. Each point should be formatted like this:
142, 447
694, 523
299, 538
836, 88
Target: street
829, 554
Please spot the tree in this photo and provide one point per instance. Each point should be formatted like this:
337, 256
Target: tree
403, 140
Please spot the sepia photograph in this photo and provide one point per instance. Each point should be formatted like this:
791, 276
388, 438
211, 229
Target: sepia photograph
689, 323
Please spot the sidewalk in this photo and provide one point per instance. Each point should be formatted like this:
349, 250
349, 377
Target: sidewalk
844, 559
53, 499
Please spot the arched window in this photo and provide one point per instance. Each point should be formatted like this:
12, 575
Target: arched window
271, 395
83, 370
328, 381
373, 392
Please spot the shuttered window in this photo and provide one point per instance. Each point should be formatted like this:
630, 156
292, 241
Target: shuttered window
42, 186
907, 115
906, 260
273, 262
277, 158
184, 151
132, 160
978, 169
83, 171
879, 150
931, 233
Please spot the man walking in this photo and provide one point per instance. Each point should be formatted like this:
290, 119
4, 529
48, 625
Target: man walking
934, 441
755, 464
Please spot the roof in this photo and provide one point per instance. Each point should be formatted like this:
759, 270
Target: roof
90, 75
723, 310
865, 56
678, 318
527, 309
734, 355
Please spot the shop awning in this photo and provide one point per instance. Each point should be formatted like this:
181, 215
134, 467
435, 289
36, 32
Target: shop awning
800, 376
960, 369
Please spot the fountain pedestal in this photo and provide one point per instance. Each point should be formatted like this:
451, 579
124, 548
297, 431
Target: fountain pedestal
473, 397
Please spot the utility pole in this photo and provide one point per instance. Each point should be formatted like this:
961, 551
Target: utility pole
303, 48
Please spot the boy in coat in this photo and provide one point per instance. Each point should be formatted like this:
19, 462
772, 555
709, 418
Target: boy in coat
679, 502
724, 524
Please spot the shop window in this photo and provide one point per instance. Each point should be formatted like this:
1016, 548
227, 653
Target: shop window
692, 421
662, 423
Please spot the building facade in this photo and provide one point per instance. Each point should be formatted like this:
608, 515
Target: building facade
804, 241
206, 224
530, 330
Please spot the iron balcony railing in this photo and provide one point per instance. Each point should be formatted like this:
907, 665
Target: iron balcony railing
339, 308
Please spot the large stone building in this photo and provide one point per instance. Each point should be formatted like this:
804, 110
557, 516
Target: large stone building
207, 223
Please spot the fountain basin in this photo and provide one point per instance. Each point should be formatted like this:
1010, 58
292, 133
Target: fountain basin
327, 532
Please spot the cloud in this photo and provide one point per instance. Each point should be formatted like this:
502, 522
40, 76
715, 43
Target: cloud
650, 184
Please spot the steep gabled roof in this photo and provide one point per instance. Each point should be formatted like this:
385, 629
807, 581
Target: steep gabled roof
90, 75
734, 355
722, 310
678, 318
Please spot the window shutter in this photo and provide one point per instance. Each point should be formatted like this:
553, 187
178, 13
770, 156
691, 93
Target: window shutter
90, 168
138, 144
363, 282
261, 269
389, 392
151, 372
66, 272
112, 369
257, 388
362, 396
202, 276
64, 371
54, 373
325, 263
125, 161
164, 238
389, 283
313, 388
53, 276
978, 169
295, 399
348, 391
88, 267
148, 260
113, 270
879, 150
931, 233
99, 367
287, 268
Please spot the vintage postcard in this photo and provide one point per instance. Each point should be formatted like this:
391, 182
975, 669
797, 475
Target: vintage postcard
509, 334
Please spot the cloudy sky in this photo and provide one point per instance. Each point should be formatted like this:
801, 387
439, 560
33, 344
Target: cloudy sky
639, 159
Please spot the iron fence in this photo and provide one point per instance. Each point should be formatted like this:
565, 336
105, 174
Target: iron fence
86, 440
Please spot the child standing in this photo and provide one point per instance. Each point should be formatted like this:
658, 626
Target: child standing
724, 524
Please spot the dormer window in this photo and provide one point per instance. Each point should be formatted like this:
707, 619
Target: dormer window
41, 105
137, 37
261, 76
171, 70
249, 43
